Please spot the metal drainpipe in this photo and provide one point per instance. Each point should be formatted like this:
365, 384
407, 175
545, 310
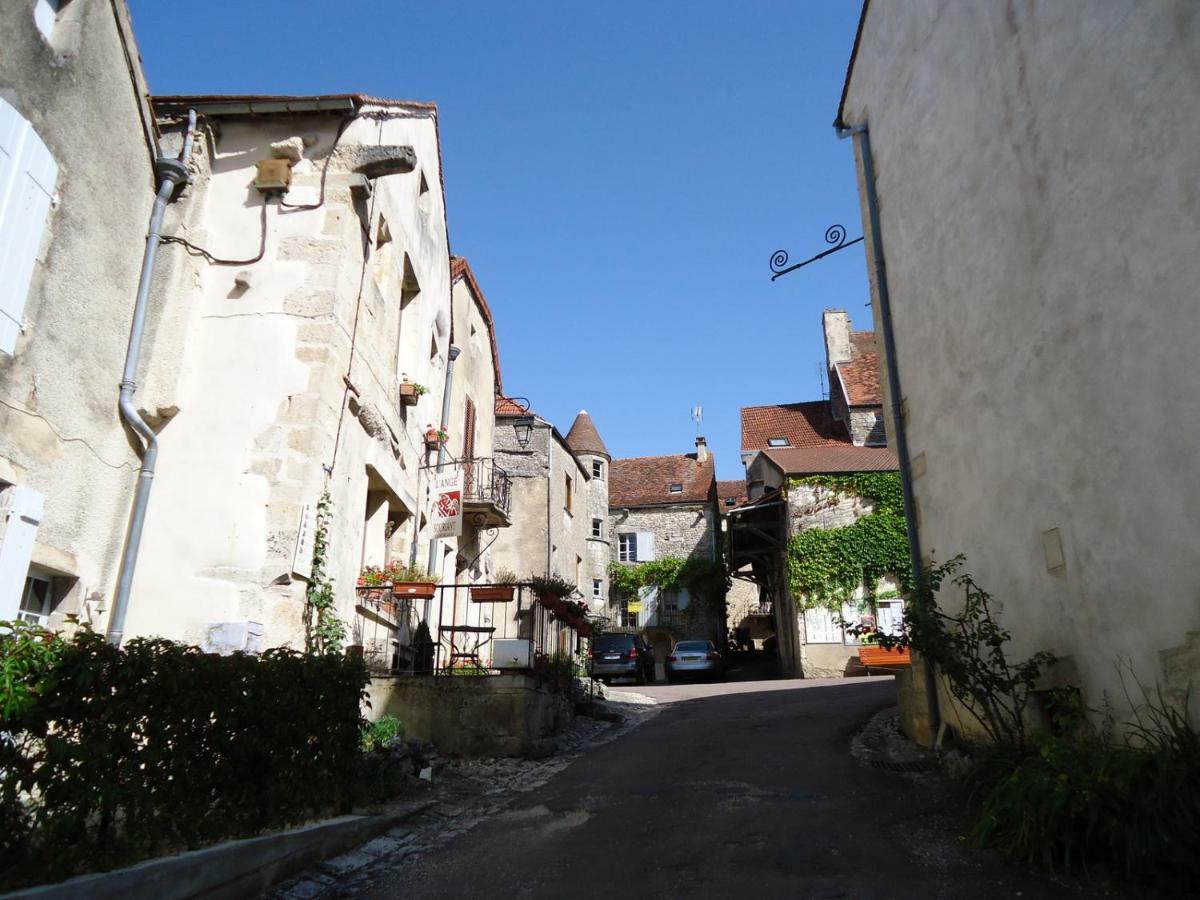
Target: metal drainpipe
171, 174
863, 136
452, 355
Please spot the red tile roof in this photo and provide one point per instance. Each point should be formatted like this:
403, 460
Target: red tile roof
460, 268
860, 377
731, 490
647, 480
584, 438
808, 424
827, 460
507, 406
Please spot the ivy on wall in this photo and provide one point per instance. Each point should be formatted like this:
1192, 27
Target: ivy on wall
700, 577
826, 566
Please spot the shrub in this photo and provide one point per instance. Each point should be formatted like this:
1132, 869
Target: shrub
116, 754
381, 732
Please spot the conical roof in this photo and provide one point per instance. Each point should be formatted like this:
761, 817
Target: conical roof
584, 438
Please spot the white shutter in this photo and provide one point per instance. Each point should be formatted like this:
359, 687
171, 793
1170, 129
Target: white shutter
645, 546
820, 628
22, 517
649, 599
27, 176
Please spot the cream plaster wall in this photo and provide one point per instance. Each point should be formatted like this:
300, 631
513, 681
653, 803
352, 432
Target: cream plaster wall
1036, 168
263, 386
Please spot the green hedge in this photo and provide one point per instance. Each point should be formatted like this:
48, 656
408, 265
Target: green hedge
110, 755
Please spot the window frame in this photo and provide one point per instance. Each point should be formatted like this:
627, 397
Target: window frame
597, 588
598, 469
41, 619
598, 529
627, 550
778, 442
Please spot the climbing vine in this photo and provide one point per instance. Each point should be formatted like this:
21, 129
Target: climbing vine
324, 632
826, 566
698, 576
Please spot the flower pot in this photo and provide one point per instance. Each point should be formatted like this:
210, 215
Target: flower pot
408, 394
373, 591
418, 590
502, 593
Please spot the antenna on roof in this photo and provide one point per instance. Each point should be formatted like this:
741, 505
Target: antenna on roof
697, 417
821, 378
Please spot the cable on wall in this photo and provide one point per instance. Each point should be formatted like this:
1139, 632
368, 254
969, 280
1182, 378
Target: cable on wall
218, 261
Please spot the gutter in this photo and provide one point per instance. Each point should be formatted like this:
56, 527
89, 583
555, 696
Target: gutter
171, 174
863, 138
447, 387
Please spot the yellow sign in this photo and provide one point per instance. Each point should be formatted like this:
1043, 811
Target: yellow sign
635, 606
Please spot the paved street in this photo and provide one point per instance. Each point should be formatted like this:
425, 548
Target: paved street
733, 787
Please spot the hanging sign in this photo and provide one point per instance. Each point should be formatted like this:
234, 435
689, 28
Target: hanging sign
446, 509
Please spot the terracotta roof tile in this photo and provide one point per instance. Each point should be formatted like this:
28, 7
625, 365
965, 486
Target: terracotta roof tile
731, 491
647, 480
826, 460
460, 268
584, 438
808, 424
861, 378
507, 406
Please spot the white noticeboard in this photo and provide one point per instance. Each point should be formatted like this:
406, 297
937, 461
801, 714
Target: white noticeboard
445, 506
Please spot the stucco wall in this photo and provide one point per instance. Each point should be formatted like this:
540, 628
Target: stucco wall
263, 386
1036, 172
59, 429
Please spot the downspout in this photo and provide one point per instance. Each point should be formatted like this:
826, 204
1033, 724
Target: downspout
549, 492
171, 174
452, 355
863, 137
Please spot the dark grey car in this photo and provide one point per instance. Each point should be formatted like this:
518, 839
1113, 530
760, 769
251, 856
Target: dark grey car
621, 656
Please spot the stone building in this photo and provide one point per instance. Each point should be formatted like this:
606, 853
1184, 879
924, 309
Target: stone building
587, 445
77, 185
551, 491
663, 507
784, 442
1041, 269
302, 314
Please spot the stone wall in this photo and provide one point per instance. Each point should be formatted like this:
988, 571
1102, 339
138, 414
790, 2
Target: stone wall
867, 428
497, 715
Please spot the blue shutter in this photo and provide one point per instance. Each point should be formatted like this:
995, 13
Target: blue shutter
27, 176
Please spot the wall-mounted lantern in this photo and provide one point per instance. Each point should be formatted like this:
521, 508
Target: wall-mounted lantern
524, 430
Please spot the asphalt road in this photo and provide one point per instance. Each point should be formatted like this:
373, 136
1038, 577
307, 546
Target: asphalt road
732, 788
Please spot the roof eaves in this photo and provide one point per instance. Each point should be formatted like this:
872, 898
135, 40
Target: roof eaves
460, 268
839, 123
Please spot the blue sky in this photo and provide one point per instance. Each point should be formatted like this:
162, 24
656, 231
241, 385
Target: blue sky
617, 173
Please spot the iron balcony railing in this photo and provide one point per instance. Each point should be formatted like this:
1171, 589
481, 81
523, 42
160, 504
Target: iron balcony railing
486, 482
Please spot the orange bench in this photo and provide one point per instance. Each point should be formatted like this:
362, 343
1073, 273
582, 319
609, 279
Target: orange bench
883, 659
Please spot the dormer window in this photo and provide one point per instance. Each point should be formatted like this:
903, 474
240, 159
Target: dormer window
778, 442
676, 488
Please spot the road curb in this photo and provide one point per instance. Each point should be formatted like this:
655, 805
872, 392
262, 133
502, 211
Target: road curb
239, 868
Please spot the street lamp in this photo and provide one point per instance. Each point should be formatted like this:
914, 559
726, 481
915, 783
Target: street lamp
524, 430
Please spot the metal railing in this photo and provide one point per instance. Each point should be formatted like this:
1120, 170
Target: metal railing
486, 482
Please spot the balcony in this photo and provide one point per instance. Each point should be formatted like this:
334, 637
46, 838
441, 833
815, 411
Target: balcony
487, 494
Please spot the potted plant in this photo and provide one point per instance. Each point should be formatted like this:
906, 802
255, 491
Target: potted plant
411, 392
373, 583
435, 437
411, 582
552, 592
501, 590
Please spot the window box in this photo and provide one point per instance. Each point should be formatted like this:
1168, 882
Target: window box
419, 590
499, 593
410, 393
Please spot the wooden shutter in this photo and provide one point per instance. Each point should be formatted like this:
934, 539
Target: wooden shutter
469, 430
27, 176
22, 517
645, 546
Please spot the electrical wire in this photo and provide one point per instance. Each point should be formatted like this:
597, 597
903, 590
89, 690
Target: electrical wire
218, 261
345, 123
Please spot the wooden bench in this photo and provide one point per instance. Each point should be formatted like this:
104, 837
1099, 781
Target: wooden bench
883, 659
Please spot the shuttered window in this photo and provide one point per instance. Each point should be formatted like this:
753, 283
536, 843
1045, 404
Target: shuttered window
21, 514
27, 176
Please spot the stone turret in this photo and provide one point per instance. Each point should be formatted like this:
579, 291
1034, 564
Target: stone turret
587, 445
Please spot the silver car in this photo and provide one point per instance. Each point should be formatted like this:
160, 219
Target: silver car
695, 659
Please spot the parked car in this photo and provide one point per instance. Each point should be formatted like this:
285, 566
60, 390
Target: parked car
697, 659
621, 656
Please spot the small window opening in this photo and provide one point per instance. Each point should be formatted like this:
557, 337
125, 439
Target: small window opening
597, 528
676, 488
424, 185
778, 442
597, 469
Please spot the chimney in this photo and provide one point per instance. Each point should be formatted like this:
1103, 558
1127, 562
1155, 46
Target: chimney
701, 449
837, 336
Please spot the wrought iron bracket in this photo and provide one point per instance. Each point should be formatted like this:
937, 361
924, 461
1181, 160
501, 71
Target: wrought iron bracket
834, 234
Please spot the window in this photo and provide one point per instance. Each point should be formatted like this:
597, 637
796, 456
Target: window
627, 548
597, 528
568, 491
36, 600
731, 501
597, 589
778, 442
676, 488
597, 468
21, 510
28, 174
628, 619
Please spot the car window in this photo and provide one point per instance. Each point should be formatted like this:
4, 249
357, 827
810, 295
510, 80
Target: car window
692, 646
608, 642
